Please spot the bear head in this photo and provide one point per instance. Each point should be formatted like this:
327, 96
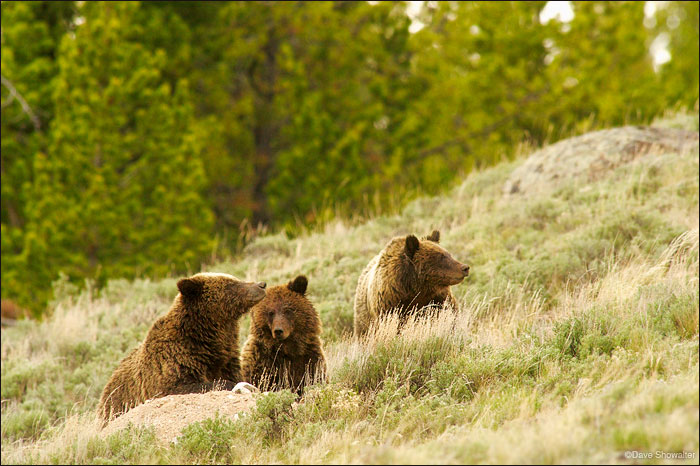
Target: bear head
219, 293
285, 314
433, 264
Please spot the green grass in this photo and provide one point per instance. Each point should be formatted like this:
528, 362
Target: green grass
577, 339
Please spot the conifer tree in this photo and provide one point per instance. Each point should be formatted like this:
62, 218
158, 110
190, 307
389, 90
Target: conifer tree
119, 190
31, 32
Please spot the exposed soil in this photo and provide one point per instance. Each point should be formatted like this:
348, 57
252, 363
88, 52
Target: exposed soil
170, 414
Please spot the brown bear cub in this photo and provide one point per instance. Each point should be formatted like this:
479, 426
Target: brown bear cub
405, 276
193, 348
284, 349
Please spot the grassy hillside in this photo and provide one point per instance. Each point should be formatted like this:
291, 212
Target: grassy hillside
577, 338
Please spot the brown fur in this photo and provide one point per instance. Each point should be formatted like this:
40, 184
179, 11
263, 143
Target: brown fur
192, 348
294, 358
11, 312
407, 275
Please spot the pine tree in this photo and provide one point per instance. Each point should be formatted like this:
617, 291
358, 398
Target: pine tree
348, 85
119, 190
484, 69
31, 32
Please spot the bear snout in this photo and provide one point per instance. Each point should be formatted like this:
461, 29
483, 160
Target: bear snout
279, 334
465, 270
256, 292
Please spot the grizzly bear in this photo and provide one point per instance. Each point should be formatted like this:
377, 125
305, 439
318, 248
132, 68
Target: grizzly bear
11, 312
405, 276
284, 348
193, 348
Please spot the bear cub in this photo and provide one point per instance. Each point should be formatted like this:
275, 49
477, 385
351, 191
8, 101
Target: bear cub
193, 348
405, 276
284, 348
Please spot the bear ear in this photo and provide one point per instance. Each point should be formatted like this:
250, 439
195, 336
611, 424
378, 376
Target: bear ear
434, 236
412, 245
190, 288
298, 285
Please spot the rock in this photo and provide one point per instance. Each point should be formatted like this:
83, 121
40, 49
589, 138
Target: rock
245, 387
590, 156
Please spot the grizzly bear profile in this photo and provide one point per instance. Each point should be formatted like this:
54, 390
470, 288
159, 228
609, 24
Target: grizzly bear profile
407, 275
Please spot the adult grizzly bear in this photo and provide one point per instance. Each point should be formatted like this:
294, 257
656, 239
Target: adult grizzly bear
284, 349
405, 276
192, 348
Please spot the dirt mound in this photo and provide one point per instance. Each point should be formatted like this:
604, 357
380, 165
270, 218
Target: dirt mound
170, 414
590, 156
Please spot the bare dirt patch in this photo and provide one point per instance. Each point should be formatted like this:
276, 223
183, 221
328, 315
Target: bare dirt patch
170, 414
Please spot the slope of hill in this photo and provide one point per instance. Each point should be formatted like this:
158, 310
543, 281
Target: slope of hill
577, 339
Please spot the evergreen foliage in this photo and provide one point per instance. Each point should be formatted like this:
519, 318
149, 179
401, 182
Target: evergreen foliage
135, 134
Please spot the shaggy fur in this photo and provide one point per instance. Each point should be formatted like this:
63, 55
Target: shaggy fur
284, 349
192, 348
405, 276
